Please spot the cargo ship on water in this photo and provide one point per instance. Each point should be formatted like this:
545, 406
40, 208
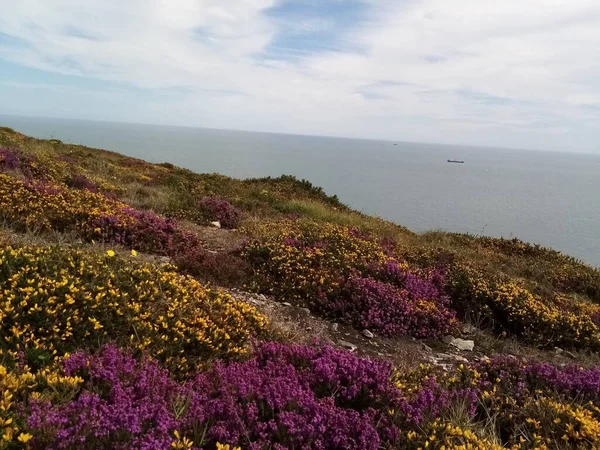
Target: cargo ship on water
458, 161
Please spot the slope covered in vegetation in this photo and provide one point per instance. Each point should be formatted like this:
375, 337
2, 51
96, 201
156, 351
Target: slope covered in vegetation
119, 329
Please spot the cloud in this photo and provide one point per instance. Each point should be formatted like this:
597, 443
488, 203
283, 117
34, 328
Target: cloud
460, 71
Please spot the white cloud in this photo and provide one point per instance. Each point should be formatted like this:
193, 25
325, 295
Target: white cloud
511, 72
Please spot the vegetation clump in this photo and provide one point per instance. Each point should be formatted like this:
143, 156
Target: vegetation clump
221, 210
55, 301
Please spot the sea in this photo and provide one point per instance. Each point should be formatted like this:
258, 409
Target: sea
549, 198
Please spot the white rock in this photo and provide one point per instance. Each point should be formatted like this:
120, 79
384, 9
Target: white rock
216, 224
368, 334
467, 328
305, 311
347, 344
462, 344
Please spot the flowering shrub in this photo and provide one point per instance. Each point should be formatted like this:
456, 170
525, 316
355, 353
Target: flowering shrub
418, 310
142, 230
344, 274
223, 268
55, 301
534, 405
9, 160
284, 397
293, 396
18, 385
304, 259
223, 211
511, 308
48, 206
96, 217
79, 181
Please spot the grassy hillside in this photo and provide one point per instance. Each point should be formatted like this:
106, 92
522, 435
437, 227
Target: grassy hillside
126, 321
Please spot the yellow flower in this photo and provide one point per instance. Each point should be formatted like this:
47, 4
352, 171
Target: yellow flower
133, 253
227, 447
110, 253
24, 437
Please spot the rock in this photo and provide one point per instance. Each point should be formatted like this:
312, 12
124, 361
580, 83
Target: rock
286, 303
308, 328
431, 359
305, 311
437, 362
462, 344
460, 359
348, 345
570, 355
368, 334
560, 351
334, 327
450, 357
216, 224
467, 328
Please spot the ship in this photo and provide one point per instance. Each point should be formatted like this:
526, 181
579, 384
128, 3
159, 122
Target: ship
458, 161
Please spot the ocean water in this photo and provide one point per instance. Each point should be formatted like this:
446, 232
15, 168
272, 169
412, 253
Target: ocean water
548, 198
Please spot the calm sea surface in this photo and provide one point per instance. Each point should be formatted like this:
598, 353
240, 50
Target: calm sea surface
544, 197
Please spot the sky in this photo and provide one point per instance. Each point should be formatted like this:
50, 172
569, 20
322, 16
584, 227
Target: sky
510, 73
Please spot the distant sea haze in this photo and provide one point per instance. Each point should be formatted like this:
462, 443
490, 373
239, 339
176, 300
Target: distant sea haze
548, 198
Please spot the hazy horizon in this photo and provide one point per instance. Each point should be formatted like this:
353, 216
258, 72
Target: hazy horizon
391, 141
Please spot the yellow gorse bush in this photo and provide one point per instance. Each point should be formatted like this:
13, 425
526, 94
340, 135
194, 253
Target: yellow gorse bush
446, 436
54, 301
512, 308
303, 258
55, 207
576, 426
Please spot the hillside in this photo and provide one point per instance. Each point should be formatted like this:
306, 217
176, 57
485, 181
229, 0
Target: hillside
144, 306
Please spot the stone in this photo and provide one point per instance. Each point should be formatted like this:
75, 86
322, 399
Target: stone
431, 359
460, 359
462, 344
368, 334
286, 303
467, 328
348, 345
216, 224
560, 351
305, 311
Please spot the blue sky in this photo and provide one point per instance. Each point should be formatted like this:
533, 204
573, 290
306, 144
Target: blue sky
481, 72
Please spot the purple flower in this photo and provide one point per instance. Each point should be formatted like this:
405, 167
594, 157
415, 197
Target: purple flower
223, 211
9, 160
